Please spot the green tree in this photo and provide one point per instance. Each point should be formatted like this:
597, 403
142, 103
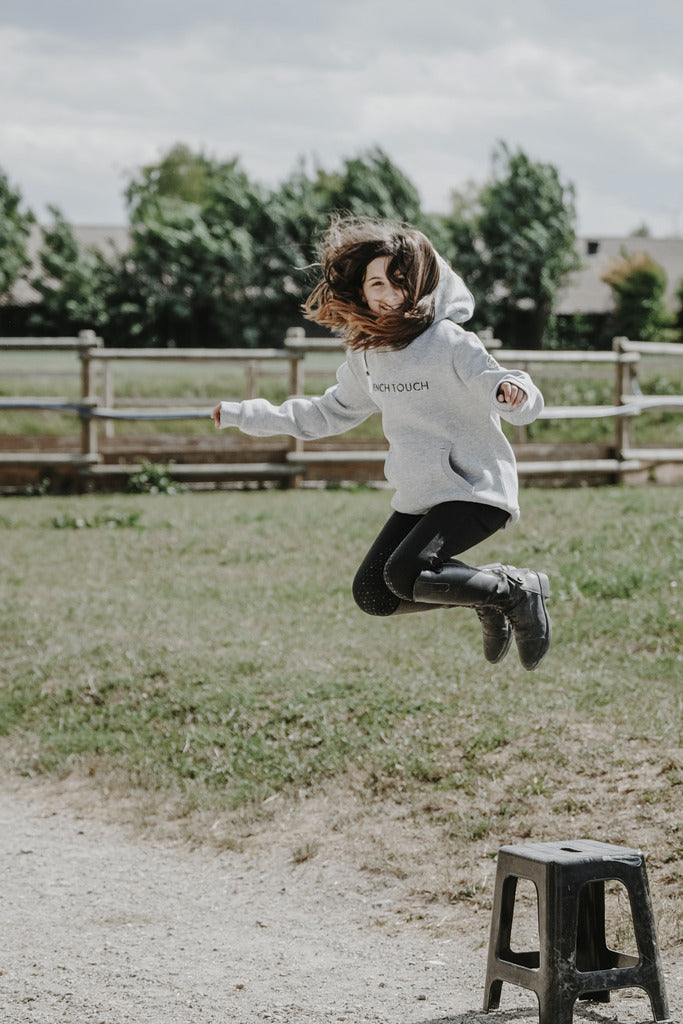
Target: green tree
292, 219
72, 282
192, 255
216, 259
181, 174
371, 185
15, 227
638, 284
465, 249
514, 241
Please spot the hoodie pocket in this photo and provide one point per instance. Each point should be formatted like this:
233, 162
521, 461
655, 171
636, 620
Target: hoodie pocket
454, 473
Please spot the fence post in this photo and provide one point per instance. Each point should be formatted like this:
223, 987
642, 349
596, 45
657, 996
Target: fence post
251, 372
295, 336
108, 393
88, 423
625, 370
296, 382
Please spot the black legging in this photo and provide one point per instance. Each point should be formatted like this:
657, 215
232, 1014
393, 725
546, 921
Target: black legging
408, 544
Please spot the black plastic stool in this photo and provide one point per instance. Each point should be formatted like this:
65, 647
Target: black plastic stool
574, 960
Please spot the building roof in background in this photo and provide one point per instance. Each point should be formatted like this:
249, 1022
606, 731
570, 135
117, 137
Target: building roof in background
108, 239
586, 292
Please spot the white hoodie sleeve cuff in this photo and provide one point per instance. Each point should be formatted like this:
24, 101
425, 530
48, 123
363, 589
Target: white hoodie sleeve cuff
230, 414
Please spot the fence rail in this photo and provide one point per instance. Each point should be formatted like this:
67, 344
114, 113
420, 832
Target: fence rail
298, 459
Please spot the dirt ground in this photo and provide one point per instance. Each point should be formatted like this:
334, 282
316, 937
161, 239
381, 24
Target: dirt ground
304, 923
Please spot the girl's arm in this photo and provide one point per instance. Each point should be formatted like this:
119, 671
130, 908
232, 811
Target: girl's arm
344, 405
511, 393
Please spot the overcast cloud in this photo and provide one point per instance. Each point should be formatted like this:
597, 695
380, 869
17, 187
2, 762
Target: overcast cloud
89, 93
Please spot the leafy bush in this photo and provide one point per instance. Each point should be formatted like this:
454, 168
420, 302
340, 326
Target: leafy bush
154, 480
638, 283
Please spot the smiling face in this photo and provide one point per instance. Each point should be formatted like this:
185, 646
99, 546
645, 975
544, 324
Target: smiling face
379, 293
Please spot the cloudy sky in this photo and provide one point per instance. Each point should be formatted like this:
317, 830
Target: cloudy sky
91, 91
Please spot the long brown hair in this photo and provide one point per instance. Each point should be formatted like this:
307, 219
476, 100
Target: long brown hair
348, 245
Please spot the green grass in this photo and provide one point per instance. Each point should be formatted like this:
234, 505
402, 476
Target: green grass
204, 650
218, 631
226, 618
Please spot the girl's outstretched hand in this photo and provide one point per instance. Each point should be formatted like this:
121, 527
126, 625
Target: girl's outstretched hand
511, 394
216, 416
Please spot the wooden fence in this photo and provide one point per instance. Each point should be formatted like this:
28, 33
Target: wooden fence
293, 461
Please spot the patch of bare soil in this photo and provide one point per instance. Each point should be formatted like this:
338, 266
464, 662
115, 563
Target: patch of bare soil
324, 912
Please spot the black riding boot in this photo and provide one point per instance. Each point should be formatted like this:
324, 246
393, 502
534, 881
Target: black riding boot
526, 610
501, 592
481, 589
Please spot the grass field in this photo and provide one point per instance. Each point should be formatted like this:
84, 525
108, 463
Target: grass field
203, 652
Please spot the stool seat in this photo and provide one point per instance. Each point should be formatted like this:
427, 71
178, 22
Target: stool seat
574, 960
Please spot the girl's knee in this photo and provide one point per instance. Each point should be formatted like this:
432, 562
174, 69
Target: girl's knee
373, 600
399, 579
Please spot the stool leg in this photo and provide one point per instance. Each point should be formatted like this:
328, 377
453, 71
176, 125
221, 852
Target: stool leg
492, 995
554, 1007
646, 939
499, 941
659, 1004
592, 953
507, 912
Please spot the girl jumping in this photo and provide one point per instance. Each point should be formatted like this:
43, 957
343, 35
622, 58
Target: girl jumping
398, 307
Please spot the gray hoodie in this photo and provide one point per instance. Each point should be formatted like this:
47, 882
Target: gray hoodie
439, 410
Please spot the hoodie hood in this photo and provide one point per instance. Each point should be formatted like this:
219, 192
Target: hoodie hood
452, 298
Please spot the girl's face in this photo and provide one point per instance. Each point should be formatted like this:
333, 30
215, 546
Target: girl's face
378, 292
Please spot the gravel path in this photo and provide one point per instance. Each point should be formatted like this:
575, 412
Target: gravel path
100, 926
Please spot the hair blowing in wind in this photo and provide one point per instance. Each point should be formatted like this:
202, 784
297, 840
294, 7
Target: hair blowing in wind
347, 247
